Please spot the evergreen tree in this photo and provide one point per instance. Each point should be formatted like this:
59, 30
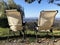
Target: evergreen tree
12, 4
39, 1
2, 8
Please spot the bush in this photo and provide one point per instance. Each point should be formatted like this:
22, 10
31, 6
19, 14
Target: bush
3, 22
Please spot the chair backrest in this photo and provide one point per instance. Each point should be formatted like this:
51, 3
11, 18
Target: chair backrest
46, 19
14, 19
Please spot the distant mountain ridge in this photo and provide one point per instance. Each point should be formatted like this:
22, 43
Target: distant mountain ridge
30, 19
36, 19
56, 22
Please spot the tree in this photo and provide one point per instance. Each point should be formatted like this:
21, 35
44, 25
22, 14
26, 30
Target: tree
11, 4
30, 1
2, 8
39, 1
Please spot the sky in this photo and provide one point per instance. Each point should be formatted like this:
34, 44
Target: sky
33, 10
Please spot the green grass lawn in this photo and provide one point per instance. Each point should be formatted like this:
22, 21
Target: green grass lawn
5, 32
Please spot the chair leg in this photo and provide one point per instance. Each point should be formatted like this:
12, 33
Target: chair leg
23, 33
13, 33
47, 34
36, 36
52, 33
53, 37
8, 35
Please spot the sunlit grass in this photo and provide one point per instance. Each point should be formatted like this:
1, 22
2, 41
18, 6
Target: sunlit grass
56, 32
5, 32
